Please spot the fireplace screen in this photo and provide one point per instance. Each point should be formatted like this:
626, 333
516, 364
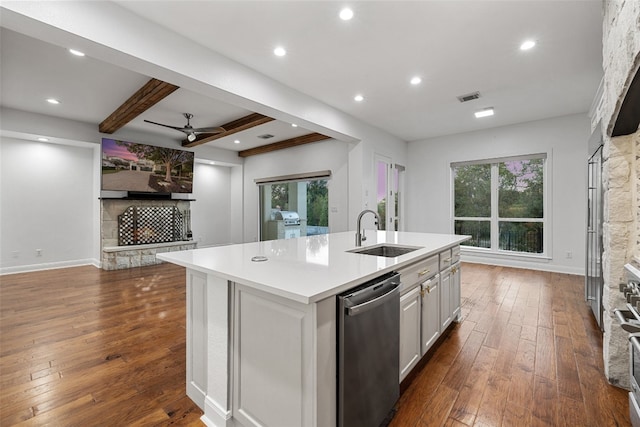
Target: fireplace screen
139, 225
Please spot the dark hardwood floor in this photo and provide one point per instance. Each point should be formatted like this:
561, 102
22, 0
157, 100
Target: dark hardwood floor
86, 347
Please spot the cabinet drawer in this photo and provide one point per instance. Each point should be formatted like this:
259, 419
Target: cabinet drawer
445, 259
418, 273
455, 255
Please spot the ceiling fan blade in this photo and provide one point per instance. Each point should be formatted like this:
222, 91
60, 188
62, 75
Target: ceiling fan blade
180, 128
213, 129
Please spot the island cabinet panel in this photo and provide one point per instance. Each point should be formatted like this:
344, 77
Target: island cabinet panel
430, 294
208, 345
409, 331
445, 299
278, 367
197, 337
455, 292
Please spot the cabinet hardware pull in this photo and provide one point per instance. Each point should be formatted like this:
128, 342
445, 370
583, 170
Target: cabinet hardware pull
423, 272
422, 293
447, 259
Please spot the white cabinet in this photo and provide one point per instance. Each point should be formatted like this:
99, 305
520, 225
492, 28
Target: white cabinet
429, 302
430, 294
445, 299
455, 292
410, 309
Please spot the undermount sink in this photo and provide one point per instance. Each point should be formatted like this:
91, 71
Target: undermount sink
385, 250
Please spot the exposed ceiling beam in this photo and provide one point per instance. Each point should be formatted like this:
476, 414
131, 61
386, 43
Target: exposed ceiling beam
293, 142
146, 97
243, 123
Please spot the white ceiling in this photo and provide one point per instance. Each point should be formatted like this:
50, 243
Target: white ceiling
456, 47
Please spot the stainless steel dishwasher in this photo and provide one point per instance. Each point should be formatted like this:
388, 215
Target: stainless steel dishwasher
369, 352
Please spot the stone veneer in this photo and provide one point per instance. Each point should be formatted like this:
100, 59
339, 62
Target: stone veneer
116, 257
621, 172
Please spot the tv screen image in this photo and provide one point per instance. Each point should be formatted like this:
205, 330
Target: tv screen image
129, 166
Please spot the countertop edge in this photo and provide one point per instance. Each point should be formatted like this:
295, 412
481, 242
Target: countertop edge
313, 298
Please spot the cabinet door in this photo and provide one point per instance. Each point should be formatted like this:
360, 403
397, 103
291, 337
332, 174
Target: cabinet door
409, 331
430, 312
455, 292
445, 299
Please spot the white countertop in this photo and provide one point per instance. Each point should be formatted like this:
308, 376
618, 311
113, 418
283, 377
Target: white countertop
309, 269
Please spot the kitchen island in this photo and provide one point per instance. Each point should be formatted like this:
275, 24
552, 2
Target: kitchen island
261, 320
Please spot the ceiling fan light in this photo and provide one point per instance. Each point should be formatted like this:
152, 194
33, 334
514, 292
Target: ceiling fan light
191, 137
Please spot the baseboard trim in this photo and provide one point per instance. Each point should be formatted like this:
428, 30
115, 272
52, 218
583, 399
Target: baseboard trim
49, 266
523, 265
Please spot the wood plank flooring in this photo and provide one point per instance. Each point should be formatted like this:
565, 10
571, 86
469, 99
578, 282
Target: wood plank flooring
527, 353
86, 347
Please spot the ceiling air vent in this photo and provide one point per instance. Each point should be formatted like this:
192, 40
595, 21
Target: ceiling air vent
265, 136
469, 97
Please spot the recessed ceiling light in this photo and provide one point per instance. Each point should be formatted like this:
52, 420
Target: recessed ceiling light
293, 125
53, 101
527, 45
279, 51
237, 141
415, 80
358, 98
484, 113
346, 14
76, 52
43, 139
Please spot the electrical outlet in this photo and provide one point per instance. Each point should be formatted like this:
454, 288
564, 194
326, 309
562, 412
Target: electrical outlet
569, 254
38, 252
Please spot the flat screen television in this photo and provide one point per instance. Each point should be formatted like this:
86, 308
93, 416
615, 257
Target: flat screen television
143, 168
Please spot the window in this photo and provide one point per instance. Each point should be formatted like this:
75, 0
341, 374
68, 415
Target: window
390, 193
294, 208
501, 203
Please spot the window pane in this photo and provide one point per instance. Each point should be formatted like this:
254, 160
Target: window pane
294, 209
472, 190
521, 236
521, 192
317, 207
480, 232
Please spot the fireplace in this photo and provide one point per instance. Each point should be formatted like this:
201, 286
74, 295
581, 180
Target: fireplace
134, 231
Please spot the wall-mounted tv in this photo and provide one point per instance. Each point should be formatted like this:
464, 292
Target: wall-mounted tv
142, 168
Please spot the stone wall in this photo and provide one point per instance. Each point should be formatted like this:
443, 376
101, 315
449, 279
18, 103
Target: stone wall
620, 235
621, 57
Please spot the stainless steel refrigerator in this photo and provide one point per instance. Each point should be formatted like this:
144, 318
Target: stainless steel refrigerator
594, 280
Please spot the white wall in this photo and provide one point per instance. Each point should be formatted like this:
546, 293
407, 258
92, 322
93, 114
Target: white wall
325, 155
211, 212
44, 185
48, 196
564, 139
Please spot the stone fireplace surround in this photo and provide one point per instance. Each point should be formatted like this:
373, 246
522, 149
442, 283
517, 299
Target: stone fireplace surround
115, 257
621, 171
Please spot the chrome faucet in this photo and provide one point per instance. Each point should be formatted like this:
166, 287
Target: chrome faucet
359, 233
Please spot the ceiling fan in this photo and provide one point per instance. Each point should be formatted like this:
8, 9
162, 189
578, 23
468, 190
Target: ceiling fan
189, 130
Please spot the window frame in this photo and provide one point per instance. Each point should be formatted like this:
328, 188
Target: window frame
494, 218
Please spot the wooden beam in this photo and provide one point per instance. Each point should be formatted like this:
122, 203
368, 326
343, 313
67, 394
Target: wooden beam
293, 142
243, 123
146, 97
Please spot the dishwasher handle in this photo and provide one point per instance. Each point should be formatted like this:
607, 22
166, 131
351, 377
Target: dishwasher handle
368, 305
